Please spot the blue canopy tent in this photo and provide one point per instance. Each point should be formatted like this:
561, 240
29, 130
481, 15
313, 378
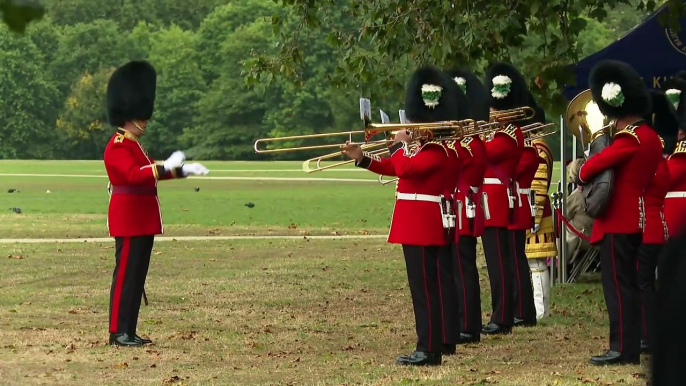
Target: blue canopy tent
656, 52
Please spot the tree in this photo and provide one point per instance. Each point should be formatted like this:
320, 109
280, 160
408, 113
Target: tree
221, 23
17, 14
28, 100
179, 87
230, 115
441, 33
83, 121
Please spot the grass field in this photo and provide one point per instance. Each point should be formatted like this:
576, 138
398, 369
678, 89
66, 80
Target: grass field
244, 312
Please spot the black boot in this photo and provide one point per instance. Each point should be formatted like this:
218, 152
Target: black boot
419, 358
496, 329
449, 349
466, 338
124, 340
142, 340
615, 358
523, 323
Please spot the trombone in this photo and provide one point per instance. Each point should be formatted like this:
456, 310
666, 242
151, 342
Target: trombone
319, 167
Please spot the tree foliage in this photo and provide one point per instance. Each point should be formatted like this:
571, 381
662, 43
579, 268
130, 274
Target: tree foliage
542, 36
308, 64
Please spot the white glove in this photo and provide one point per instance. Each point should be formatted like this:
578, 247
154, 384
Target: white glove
536, 228
194, 169
175, 160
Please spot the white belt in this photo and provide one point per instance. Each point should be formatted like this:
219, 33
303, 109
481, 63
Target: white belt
418, 197
676, 195
492, 181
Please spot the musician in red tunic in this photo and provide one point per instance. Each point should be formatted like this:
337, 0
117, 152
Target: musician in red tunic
524, 215
675, 201
634, 155
134, 215
472, 152
663, 120
507, 90
419, 222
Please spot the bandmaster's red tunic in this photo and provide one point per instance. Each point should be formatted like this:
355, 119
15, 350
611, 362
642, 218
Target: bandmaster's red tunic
134, 208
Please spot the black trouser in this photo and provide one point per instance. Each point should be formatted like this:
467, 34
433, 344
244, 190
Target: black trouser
497, 243
429, 272
467, 283
522, 288
647, 262
128, 280
618, 256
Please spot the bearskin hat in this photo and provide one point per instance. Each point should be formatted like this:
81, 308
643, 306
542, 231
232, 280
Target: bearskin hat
476, 93
506, 87
618, 90
663, 120
131, 93
432, 96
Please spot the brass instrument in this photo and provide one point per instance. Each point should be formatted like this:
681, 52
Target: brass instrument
583, 117
516, 114
319, 167
590, 126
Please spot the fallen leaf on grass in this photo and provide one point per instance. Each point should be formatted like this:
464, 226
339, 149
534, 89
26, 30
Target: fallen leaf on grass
16, 257
72, 312
71, 348
292, 226
152, 366
157, 253
121, 365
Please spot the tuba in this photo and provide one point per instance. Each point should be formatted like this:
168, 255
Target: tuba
590, 126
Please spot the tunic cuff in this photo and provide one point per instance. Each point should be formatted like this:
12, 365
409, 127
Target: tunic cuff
395, 147
364, 163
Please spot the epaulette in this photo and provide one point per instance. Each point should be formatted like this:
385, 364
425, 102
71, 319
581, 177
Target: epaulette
631, 130
510, 130
436, 143
451, 145
528, 143
680, 148
119, 138
662, 141
465, 143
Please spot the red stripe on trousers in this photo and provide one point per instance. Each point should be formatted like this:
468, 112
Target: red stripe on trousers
440, 294
426, 290
118, 284
619, 295
502, 273
464, 289
519, 279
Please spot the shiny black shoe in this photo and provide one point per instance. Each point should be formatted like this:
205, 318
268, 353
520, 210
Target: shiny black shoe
419, 358
124, 340
496, 329
142, 340
615, 358
449, 349
645, 346
466, 338
523, 323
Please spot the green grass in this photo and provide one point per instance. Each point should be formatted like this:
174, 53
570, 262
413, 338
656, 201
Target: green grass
267, 312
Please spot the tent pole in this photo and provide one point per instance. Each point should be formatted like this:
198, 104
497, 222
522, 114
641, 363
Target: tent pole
563, 178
